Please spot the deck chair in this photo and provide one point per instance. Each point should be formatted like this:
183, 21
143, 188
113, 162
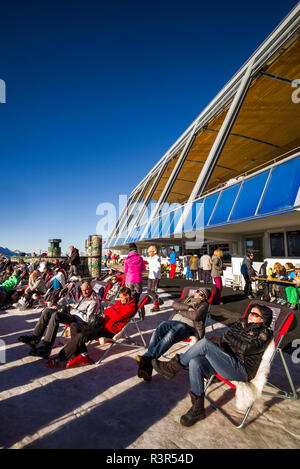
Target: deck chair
189, 291
101, 288
123, 338
283, 318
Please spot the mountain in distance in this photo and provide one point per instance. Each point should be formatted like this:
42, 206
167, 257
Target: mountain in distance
8, 253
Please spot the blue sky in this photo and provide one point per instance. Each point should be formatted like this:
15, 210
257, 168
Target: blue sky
97, 91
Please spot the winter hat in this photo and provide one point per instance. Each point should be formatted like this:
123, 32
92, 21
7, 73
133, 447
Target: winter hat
204, 292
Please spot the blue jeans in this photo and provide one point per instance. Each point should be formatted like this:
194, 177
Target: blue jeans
167, 334
204, 358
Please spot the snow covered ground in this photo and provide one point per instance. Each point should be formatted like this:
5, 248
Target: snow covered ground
108, 406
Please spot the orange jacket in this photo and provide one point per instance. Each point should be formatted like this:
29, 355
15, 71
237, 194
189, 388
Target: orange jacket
117, 315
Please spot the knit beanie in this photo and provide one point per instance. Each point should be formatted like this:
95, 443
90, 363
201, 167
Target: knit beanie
205, 292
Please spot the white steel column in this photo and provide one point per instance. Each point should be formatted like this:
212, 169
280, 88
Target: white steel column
216, 149
149, 196
132, 208
127, 205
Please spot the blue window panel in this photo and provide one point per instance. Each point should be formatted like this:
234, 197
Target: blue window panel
120, 241
155, 228
225, 204
167, 224
199, 214
147, 235
191, 218
175, 221
137, 234
206, 212
112, 242
249, 196
283, 187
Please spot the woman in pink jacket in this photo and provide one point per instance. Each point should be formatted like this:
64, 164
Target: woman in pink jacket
134, 266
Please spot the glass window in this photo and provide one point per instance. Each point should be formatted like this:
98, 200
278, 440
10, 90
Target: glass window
209, 205
282, 189
225, 204
190, 220
199, 214
167, 224
176, 218
293, 243
277, 244
155, 228
249, 196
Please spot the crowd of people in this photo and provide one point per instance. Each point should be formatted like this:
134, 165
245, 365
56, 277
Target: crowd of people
236, 355
22, 282
276, 291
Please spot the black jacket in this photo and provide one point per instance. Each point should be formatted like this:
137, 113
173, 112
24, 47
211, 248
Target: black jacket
198, 316
75, 258
247, 342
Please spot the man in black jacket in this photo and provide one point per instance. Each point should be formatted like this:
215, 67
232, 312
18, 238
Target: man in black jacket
74, 262
236, 356
187, 320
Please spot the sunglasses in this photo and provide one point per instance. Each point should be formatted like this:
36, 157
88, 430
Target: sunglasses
256, 315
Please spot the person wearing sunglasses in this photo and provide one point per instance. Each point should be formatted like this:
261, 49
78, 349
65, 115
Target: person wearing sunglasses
188, 319
236, 356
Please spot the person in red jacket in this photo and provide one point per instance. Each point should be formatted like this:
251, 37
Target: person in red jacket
115, 318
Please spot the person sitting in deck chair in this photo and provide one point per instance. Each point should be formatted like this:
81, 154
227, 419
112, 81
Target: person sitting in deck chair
235, 356
24, 299
114, 319
51, 318
6, 273
8, 287
187, 320
116, 282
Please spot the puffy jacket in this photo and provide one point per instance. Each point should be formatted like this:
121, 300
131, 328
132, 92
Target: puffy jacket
216, 266
198, 316
116, 316
247, 342
194, 263
173, 258
38, 285
246, 267
205, 262
134, 266
154, 267
11, 282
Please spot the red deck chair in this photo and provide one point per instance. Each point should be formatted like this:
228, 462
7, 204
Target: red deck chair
189, 291
283, 318
102, 288
122, 338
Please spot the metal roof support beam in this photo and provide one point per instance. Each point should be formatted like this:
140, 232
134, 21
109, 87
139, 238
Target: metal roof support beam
172, 178
218, 145
114, 231
277, 77
132, 208
149, 196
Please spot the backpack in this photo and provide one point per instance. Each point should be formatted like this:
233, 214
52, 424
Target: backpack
244, 269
